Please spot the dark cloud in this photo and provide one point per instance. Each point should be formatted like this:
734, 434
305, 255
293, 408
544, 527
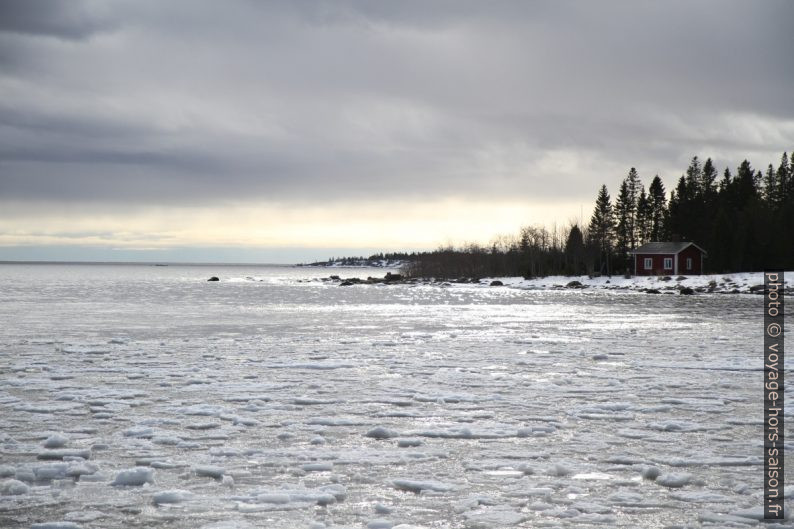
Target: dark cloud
193, 102
72, 20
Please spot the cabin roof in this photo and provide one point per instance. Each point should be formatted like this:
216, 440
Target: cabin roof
666, 247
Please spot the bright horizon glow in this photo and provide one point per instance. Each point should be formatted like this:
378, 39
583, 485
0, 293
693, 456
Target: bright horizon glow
382, 226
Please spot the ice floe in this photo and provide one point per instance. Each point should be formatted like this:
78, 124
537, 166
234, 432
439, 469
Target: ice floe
286, 404
134, 477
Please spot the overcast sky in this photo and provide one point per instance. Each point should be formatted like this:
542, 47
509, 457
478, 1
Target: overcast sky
286, 130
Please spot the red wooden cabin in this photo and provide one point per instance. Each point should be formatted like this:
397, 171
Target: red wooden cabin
668, 258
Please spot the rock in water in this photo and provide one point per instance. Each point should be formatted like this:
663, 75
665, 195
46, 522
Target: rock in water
213, 278
497, 284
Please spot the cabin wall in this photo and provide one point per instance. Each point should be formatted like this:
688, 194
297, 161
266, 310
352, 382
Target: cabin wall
697, 263
658, 264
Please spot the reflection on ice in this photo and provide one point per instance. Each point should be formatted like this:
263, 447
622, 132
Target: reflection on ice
142, 396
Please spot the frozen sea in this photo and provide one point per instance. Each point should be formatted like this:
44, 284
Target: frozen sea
145, 396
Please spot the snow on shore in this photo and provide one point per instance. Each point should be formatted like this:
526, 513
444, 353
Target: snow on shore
740, 283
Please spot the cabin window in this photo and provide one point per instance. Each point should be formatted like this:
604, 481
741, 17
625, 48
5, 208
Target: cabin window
668, 263
648, 263
689, 263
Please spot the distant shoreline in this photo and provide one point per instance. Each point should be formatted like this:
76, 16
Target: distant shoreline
356, 263
147, 263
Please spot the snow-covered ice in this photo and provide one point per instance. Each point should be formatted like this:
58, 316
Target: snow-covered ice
209, 471
13, 487
134, 477
56, 440
133, 395
171, 496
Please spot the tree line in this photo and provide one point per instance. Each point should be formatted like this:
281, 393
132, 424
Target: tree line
742, 220
362, 261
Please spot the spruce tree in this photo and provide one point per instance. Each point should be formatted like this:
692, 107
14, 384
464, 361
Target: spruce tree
784, 177
679, 210
745, 189
602, 228
633, 186
694, 178
709, 179
624, 220
644, 214
725, 183
771, 189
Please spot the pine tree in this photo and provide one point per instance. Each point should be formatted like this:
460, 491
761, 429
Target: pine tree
739, 201
725, 183
746, 188
703, 206
679, 210
709, 179
644, 214
633, 186
786, 214
784, 177
771, 190
694, 178
658, 205
790, 184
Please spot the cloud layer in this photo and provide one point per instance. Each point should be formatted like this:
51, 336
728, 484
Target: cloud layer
204, 104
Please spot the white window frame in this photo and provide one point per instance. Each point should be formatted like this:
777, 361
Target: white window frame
648, 263
689, 263
668, 263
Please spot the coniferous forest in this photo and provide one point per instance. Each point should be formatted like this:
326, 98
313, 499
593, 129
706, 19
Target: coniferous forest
742, 218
